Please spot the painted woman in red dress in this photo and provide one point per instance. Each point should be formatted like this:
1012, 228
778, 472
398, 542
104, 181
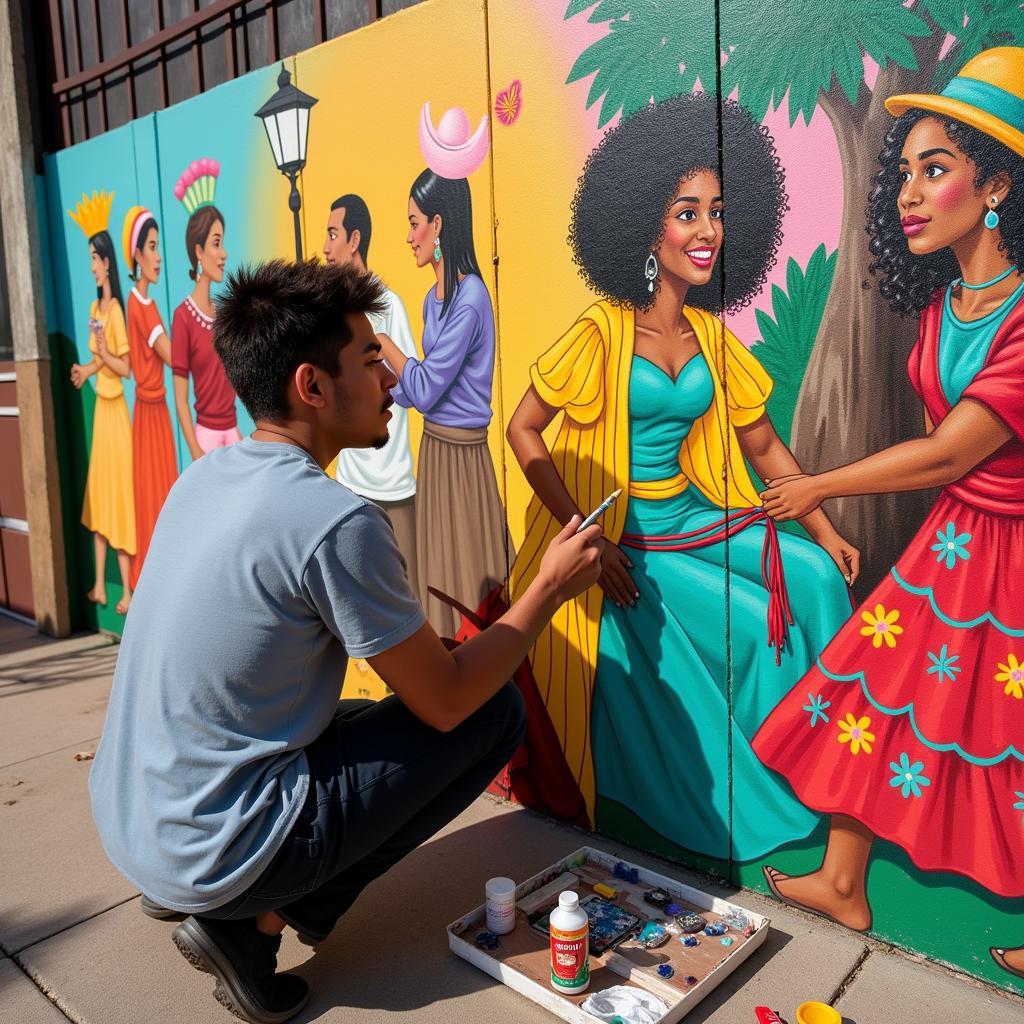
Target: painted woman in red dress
911, 725
154, 462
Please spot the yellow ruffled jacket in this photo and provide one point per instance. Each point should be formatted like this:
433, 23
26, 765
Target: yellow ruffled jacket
586, 374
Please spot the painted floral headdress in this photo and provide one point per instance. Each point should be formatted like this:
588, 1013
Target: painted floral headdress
197, 184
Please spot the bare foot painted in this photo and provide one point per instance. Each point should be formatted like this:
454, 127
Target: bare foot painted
98, 595
819, 895
122, 606
1011, 960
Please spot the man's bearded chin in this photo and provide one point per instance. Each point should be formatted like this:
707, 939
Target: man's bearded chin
379, 442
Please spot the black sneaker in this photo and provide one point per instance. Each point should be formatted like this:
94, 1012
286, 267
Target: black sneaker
244, 962
153, 909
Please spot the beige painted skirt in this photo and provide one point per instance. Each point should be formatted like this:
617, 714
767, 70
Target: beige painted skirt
462, 542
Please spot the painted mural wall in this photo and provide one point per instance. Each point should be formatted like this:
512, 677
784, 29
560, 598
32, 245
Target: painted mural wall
804, 678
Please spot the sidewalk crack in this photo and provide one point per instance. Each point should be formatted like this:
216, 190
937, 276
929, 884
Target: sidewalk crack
46, 992
843, 987
35, 757
75, 924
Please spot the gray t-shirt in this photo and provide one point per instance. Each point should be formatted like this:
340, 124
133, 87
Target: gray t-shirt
262, 577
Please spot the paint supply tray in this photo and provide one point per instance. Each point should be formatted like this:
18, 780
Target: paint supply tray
521, 958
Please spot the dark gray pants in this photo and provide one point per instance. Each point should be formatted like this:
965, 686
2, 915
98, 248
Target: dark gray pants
381, 783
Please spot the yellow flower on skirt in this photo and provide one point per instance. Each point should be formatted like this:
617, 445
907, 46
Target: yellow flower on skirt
855, 732
1012, 673
881, 626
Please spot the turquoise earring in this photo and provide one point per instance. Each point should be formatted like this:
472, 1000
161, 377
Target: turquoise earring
437, 249
992, 218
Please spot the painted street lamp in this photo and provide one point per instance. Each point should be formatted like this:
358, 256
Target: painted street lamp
286, 118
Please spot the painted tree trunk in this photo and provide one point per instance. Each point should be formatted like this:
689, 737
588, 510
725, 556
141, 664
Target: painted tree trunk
855, 398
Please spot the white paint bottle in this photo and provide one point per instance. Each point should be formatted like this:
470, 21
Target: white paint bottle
500, 904
570, 945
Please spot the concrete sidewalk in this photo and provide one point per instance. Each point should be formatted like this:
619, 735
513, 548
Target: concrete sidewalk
75, 946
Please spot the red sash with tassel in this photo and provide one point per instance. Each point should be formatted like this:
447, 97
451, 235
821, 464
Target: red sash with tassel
780, 617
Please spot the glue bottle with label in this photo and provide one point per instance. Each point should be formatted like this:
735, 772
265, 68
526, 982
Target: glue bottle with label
570, 945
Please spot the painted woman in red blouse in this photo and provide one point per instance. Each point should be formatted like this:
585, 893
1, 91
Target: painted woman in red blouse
911, 725
192, 353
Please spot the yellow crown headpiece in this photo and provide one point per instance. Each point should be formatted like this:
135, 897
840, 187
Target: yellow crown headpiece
92, 214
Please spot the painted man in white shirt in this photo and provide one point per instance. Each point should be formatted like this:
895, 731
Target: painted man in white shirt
383, 475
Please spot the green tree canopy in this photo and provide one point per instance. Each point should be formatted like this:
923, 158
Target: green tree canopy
659, 48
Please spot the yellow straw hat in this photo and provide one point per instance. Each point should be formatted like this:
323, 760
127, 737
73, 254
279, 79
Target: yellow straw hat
988, 94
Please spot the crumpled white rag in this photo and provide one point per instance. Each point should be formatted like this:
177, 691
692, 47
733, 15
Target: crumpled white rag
633, 1005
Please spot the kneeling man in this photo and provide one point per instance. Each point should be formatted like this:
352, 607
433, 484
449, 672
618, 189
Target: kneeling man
230, 784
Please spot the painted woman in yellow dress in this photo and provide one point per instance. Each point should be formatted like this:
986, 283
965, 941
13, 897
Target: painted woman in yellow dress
108, 509
657, 397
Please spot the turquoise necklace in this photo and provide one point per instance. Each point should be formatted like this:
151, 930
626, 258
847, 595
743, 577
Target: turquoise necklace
985, 284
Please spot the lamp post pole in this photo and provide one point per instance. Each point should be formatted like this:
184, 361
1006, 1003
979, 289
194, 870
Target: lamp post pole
295, 204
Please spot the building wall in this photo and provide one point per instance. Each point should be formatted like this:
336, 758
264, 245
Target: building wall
664, 753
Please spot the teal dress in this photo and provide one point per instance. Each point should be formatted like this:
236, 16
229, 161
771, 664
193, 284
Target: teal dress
661, 715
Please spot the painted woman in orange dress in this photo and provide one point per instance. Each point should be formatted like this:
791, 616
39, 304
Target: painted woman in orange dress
154, 464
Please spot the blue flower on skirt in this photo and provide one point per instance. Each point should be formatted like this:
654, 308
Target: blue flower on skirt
944, 663
951, 545
1019, 805
816, 708
908, 776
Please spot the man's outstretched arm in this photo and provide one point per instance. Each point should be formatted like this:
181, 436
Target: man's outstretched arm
443, 688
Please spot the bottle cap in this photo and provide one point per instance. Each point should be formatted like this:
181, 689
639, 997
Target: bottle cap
496, 888
569, 900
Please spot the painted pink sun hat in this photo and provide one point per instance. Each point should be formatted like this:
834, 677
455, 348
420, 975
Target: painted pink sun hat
449, 150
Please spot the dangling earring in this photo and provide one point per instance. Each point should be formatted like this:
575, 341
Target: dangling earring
651, 269
992, 218
199, 269
437, 249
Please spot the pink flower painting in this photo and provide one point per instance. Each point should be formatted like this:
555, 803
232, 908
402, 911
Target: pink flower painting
508, 103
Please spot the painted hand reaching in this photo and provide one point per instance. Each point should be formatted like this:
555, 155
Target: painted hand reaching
844, 554
791, 497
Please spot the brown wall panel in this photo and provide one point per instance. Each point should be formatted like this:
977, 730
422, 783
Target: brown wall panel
3, 579
12, 490
17, 573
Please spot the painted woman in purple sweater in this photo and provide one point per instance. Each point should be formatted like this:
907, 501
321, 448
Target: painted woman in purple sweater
462, 545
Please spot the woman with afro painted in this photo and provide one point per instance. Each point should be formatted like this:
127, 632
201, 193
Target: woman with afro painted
914, 730
659, 398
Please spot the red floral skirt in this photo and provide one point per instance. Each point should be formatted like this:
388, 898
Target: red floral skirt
912, 720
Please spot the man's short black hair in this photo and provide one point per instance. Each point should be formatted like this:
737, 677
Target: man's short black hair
356, 218
275, 315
